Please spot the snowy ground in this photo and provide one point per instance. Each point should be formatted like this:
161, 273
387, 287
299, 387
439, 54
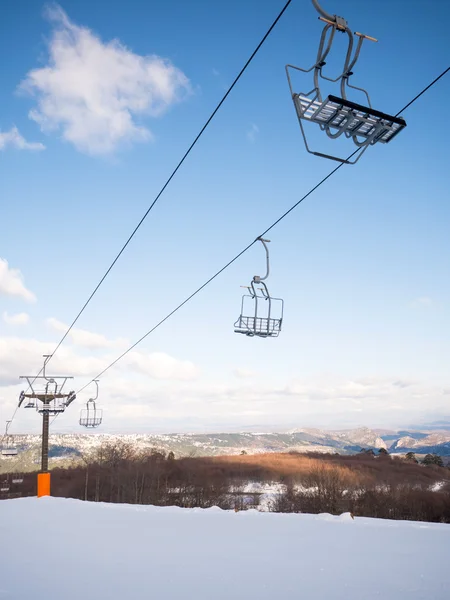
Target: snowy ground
62, 549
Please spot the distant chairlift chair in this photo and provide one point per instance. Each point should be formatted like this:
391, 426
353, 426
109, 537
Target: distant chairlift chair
91, 416
9, 450
261, 314
8, 447
337, 115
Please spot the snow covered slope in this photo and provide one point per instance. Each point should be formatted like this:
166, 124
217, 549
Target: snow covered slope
63, 549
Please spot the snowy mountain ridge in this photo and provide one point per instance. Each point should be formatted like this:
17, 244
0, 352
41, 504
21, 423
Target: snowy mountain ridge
302, 440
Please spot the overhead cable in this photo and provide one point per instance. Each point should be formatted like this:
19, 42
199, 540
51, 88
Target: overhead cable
283, 216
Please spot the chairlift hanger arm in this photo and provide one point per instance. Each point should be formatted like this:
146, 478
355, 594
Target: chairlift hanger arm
323, 12
257, 278
339, 22
47, 357
96, 391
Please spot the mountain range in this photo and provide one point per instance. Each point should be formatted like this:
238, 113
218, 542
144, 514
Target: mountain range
69, 447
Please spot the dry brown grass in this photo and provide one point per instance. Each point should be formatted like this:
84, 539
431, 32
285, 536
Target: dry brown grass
273, 463
276, 465
354, 469
286, 464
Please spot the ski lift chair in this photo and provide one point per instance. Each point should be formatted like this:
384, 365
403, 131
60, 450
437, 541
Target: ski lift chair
257, 318
17, 478
91, 416
257, 310
4, 485
335, 115
8, 447
9, 450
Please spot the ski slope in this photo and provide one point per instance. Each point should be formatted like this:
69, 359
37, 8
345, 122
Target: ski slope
64, 549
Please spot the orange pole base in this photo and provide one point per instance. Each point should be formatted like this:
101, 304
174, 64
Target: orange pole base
43, 484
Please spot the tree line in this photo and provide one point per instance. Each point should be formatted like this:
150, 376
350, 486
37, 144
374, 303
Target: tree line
366, 484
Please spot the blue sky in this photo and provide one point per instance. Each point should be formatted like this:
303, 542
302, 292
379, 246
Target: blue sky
362, 264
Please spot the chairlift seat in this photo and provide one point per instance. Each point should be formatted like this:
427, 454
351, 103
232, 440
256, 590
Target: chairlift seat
4, 488
9, 451
17, 480
91, 416
338, 115
89, 421
258, 326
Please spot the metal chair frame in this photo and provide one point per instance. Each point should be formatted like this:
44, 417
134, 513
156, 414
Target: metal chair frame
337, 116
8, 447
255, 324
91, 416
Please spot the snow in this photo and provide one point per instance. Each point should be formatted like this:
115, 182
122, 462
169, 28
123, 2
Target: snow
56, 549
436, 487
267, 492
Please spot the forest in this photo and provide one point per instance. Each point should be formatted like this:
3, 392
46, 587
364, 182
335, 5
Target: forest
365, 484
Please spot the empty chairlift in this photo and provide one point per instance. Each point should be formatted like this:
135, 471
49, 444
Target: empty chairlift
91, 416
8, 447
261, 314
336, 115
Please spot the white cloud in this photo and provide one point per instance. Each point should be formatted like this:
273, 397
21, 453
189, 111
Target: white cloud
85, 338
241, 373
15, 139
422, 302
23, 356
252, 132
92, 91
18, 319
11, 282
363, 390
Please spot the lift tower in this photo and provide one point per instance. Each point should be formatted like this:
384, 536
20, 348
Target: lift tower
46, 394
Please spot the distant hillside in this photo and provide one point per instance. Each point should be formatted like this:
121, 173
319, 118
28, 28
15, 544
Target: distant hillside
67, 448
